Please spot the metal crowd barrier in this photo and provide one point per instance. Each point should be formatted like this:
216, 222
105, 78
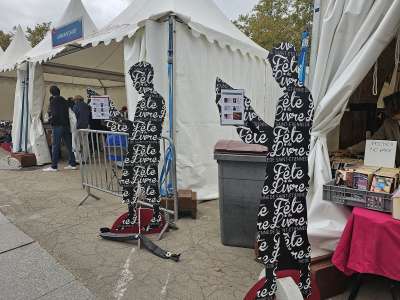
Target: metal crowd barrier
102, 154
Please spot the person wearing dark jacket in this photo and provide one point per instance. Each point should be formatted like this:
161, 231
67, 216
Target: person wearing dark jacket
70, 102
82, 112
59, 121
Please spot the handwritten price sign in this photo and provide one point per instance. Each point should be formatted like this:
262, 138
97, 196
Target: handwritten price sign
380, 153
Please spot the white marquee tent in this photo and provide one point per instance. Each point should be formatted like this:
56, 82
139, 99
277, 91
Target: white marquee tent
72, 81
351, 36
206, 45
8, 60
18, 47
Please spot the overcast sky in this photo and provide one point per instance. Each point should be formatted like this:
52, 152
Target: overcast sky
30, 12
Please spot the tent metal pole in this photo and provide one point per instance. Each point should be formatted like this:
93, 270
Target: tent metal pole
27, 109
314, 40
22, 114
171, 76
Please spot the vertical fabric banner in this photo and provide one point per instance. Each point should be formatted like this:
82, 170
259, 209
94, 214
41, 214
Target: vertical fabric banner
303, 57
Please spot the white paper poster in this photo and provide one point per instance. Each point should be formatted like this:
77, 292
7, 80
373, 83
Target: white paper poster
380, 153
232, 107
100, 107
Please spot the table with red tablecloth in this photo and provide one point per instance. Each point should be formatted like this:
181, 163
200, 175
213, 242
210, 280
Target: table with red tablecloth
370, 244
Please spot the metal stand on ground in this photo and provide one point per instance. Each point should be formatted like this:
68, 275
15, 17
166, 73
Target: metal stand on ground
89, 194
99, 172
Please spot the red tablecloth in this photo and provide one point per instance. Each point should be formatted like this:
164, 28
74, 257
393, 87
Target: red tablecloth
370, 244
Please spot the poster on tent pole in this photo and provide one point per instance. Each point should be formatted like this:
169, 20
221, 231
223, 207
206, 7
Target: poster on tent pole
232, 104
100, 106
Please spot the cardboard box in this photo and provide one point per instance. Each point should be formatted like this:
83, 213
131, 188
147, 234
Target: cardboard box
25, 159
187, 203
362, 177
385, 180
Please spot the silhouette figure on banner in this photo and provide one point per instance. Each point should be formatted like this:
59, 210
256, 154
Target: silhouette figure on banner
282, 216
140, 173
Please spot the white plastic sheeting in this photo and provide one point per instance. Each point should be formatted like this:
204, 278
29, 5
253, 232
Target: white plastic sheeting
17, 48
353, 35
21, 121
36, 98
44, 50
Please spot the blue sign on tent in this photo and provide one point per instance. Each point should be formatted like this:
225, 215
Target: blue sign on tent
67, 33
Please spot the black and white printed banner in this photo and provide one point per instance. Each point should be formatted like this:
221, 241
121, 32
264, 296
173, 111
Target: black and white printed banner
282, 216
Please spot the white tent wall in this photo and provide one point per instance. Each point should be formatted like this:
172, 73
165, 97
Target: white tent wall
197, 118
134, 51
198, 62
7, 95
353, 35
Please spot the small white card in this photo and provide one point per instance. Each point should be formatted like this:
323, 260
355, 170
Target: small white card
380, 153
100, 107
232, 107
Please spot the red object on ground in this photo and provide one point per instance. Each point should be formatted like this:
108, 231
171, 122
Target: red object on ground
145, 217
370, 243
295, 274
6, 146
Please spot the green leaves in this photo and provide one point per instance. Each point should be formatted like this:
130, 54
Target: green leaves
36, 35
274, 21
5, 39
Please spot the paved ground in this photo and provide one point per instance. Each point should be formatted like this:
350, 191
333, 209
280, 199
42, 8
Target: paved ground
44, 206
29, 272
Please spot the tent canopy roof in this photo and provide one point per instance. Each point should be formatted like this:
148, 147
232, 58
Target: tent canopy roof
18, 47
202, 16
74, 11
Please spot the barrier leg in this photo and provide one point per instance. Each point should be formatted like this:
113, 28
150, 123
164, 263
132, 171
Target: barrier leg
88, 194
161, 235
140, 225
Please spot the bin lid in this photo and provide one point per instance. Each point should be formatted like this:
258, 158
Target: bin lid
238, 147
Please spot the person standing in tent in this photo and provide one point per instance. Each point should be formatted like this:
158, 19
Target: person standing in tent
82, 113
59, 120
390, 130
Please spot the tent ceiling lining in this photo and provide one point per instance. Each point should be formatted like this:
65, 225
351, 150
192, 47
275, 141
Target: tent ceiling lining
81, 72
